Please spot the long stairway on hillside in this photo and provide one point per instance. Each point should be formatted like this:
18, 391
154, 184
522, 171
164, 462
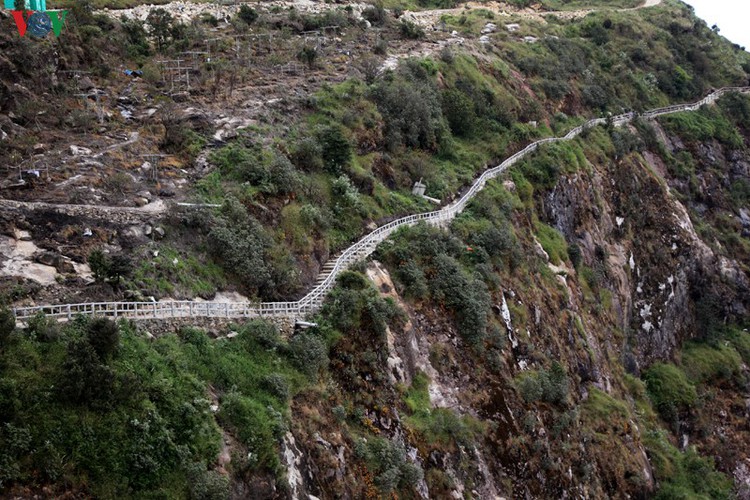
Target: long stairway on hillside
311, 302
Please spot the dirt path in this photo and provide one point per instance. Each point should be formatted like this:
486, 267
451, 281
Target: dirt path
429, 18
155, 208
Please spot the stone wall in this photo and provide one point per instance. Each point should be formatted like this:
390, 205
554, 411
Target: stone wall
216, 327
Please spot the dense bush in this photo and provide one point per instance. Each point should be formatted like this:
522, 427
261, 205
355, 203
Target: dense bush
244, 248
737, 107
411, 30
308, 353
388, 462
307, 154
111, 268
104, 337
684, 474
459, 111
468, 298
269, 170
551, 386
703, 126
423, 259
411, 109
247, 14
335, 149
354, 306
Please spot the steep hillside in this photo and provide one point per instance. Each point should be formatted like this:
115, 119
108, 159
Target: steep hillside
579, 330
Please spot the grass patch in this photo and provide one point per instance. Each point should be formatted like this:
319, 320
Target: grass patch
705, 363
741, 341
669, 389
439, 427
552, 242
684, 475
600, 406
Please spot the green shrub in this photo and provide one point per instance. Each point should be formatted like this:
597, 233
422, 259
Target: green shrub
241, 245
308, 353
413, 279
529, 387
411, 30
253, 424
684, 475
277, 384
207, 484
411, 109
247, 14
307, 154
551, 385
575, 255
264, 333
336, 150
737, 107
98, 263
555, 384
669, 389
86, 380
704, 125
308, 55
459, 111
467, 298
104, 337
42, 328
387, 461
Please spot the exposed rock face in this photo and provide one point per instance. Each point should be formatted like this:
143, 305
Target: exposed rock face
642, 238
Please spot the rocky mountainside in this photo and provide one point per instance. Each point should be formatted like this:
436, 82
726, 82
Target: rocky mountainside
580, 330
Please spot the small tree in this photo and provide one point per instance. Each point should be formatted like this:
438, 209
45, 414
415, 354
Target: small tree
85, 379
247, 14
99, 264
369, 66
120, 267
160, 22
104, 337
337, 151
308, 55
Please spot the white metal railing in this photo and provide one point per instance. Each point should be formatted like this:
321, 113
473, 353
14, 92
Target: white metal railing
359, 250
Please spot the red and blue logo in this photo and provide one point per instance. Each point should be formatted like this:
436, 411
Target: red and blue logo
36, 19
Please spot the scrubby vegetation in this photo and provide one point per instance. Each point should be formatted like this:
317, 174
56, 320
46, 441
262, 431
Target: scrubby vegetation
528, 347
97, 407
